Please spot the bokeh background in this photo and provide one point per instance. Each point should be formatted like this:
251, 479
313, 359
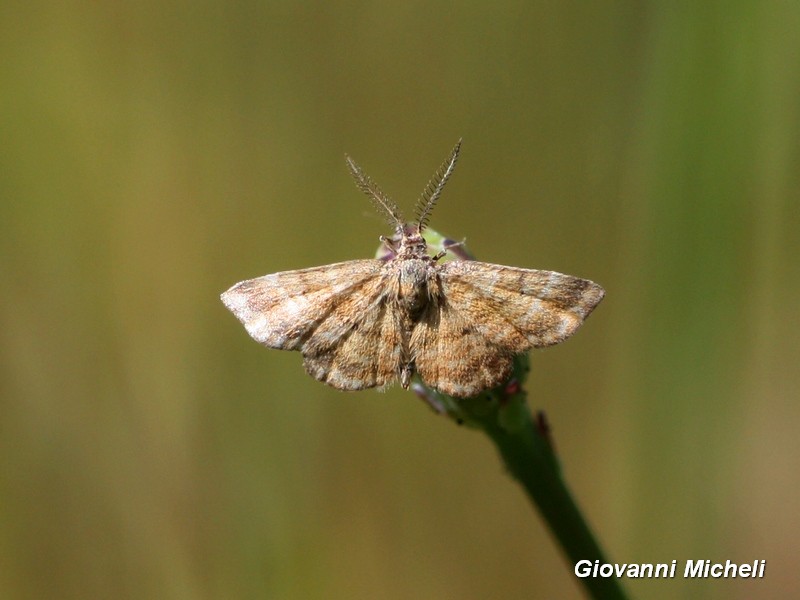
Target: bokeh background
152, 154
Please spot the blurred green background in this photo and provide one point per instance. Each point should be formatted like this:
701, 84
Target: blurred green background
155, 153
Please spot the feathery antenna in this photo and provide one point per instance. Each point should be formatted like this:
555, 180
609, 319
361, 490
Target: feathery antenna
434, 188
381, 201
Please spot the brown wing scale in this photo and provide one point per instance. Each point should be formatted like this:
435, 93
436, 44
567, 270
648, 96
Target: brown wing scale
358, 345
487, 314
335, 315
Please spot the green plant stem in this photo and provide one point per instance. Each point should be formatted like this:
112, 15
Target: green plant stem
527, 452
528, 457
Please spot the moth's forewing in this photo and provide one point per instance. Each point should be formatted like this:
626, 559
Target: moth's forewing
489, 313
542, 307
283, 309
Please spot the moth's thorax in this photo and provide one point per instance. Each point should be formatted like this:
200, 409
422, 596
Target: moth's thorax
415, 272
415, 278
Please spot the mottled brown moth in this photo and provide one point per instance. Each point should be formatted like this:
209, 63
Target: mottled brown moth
458, 323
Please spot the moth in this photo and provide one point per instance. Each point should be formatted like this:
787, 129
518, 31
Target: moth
457, 324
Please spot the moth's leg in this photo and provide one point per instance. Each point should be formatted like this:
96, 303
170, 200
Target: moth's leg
448, 245
389, 243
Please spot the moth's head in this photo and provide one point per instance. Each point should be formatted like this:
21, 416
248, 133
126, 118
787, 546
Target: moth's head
411, 241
